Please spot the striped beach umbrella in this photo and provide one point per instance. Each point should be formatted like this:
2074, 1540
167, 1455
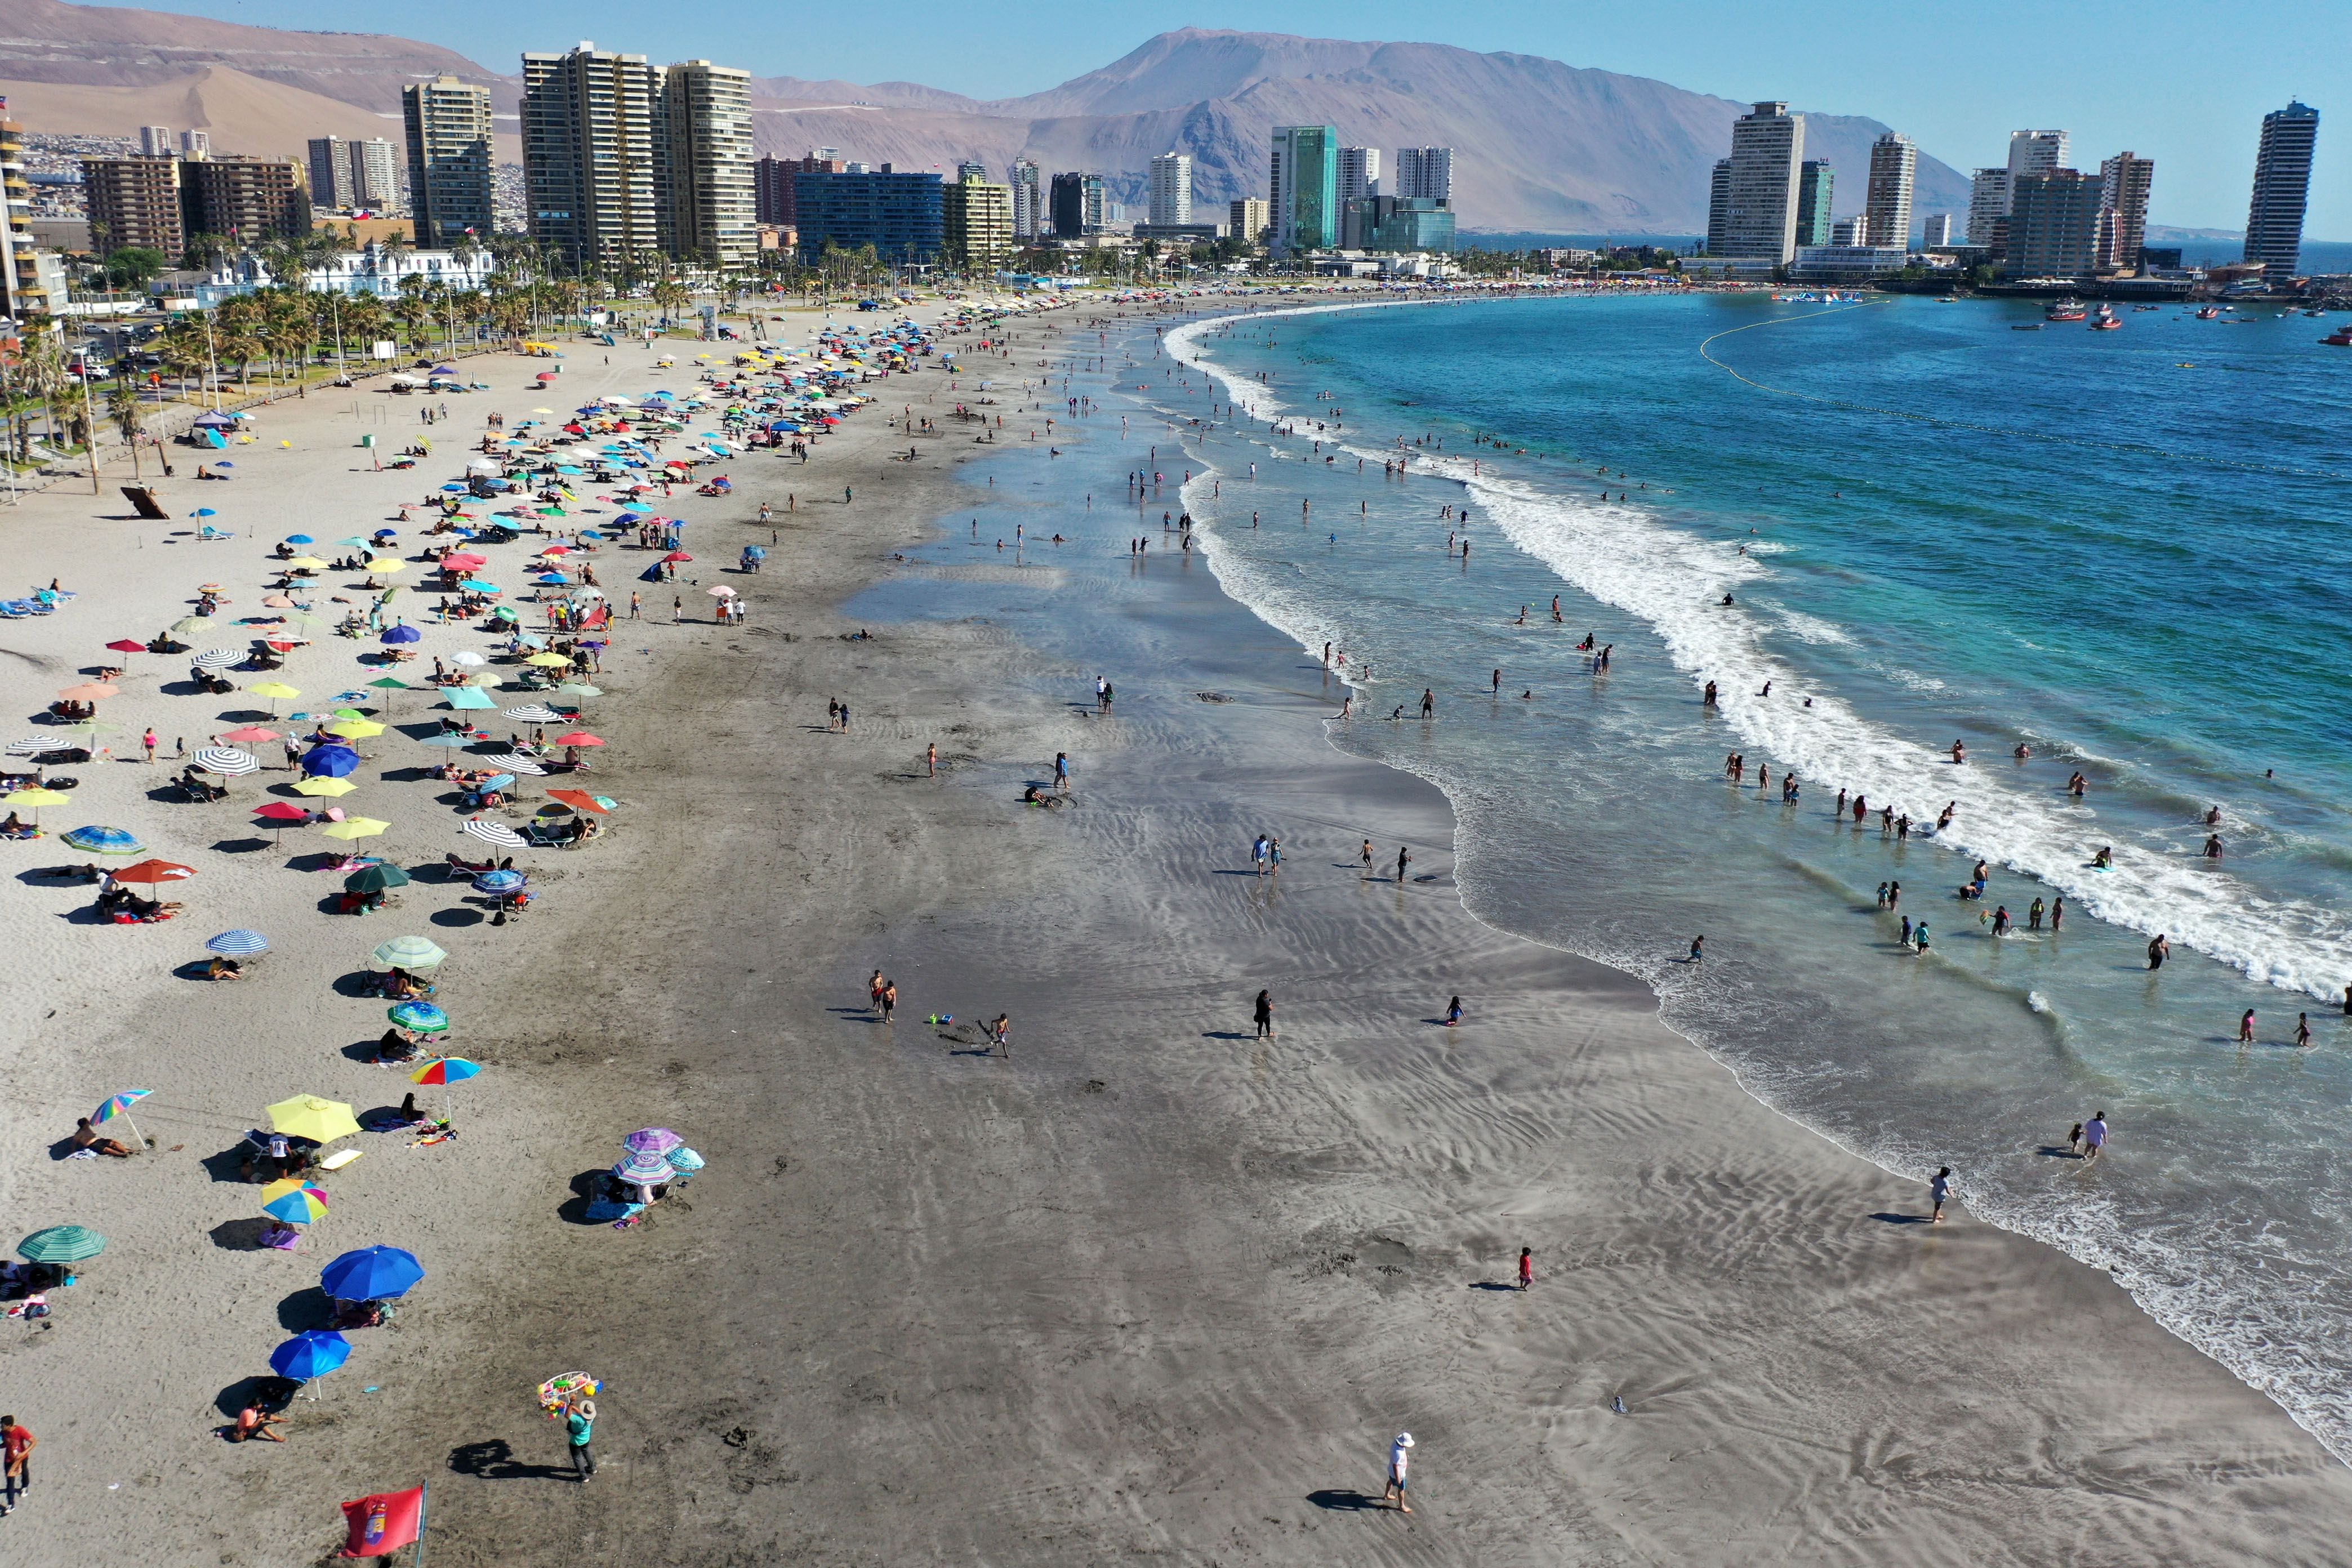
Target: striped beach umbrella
514, 761
227, 761
410, 952
238, 943
535, 713
217, 659
500, 883
493, 833
29, 744
652, 1141
61, 1244
120, 1105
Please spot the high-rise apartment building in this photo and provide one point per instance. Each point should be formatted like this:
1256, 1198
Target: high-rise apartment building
348, 174
1304, 193
976, 222
2036, 153
902, 216
1886, 202
1247, 219
594, 155
1359, 174
134, 202
1029, 216
772, 181
1989, 208
1172, 189
1078, 205
971, 171
244, 200
450, 161
2125, 181
708, 211
156, 141
1426, 173
2282, 190
1760, 212
1816, 186
1718, 206
1939, 229
195, 144
2053, 224
23, 294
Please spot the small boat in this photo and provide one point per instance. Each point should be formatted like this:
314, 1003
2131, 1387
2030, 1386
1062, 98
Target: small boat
2025, 326
2340, 338
2148, 307
2066, 310
2209, 314
2105, 319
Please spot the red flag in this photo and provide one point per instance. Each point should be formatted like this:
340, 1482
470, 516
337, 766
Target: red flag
383, 1523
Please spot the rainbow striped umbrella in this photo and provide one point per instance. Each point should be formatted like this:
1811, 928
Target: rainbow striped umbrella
445, 1071
294, 1201
120, 1105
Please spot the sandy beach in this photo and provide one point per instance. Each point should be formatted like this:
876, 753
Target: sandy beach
1149, 1286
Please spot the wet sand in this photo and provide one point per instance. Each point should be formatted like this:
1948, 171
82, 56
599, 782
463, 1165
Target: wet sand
1151, 1286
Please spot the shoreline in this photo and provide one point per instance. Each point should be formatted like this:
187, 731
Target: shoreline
1143, 1288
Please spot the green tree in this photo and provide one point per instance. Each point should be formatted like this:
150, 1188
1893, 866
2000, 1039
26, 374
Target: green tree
128, 416
135, 266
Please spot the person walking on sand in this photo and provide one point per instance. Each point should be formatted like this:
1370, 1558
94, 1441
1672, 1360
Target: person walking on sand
1001, 1032
1526, 1267
889, 999
1062, 772
1368, 871
1265, 1015
1257, 854
1400, 1452
873, 993
147, 743
16, 1445
636, 605
1940, 1190
2094, 1135
931, 760
580, 1426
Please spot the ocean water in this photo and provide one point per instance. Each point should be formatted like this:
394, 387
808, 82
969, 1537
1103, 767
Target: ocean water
2115, 547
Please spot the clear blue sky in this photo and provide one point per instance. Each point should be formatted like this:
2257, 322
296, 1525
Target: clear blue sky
2186, 84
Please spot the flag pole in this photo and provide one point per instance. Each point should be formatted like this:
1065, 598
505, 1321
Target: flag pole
423, 1491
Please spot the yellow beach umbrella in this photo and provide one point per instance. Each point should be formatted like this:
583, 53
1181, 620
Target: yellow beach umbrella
33, 799
306, 563
383, 564
308, 1116
549, 660
194, 627
329, 787
356, 729
355, 827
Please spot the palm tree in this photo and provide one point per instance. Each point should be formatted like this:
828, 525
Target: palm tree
128, 416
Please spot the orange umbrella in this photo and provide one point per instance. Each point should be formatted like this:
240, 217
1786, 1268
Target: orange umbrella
578, 738
89, 692
154, 871
578, 799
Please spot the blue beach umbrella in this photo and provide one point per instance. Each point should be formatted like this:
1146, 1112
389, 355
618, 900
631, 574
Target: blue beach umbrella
104, 841
402, 634
300, 539
312, 1354
498, 883
203, 512
371, 1274
330, 762
238, 943
422, 1016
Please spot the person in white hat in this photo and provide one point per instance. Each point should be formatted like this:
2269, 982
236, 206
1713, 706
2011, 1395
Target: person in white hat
1399, 1452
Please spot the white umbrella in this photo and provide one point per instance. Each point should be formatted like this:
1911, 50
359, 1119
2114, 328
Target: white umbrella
515, 763
226, 760
494, 832
467, 656
217, 659
536, 713
27, 747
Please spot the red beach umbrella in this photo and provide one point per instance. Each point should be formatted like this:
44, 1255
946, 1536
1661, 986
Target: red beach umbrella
126, 645
578, 738
154, 871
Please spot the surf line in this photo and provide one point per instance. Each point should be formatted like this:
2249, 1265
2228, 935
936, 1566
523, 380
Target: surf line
2053, 436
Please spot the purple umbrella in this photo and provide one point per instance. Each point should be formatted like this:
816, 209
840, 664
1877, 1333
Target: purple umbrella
654, 1141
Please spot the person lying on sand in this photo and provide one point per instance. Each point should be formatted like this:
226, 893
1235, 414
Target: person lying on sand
85, 1136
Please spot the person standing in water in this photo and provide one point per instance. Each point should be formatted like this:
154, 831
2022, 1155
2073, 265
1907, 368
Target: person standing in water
1428, 703
2094, 1135
1454, 1013
2303, 1030
2246, 1029
2158, 952
1404, 859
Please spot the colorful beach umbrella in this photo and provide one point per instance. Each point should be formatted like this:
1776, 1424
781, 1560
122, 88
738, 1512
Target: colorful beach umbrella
423, 1018
120, 1105
104, 841
500, 882
294, 1201
645, 1170
240, 943
371, 1274
652, 1141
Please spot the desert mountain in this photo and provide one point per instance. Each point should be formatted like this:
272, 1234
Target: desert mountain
1540, 145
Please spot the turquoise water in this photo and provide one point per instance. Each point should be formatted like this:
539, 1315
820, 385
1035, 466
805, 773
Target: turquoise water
2115, 548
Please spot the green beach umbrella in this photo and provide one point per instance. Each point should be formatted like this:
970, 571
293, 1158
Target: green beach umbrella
61, 1244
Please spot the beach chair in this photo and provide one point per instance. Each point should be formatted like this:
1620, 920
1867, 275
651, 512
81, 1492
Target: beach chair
11, 610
